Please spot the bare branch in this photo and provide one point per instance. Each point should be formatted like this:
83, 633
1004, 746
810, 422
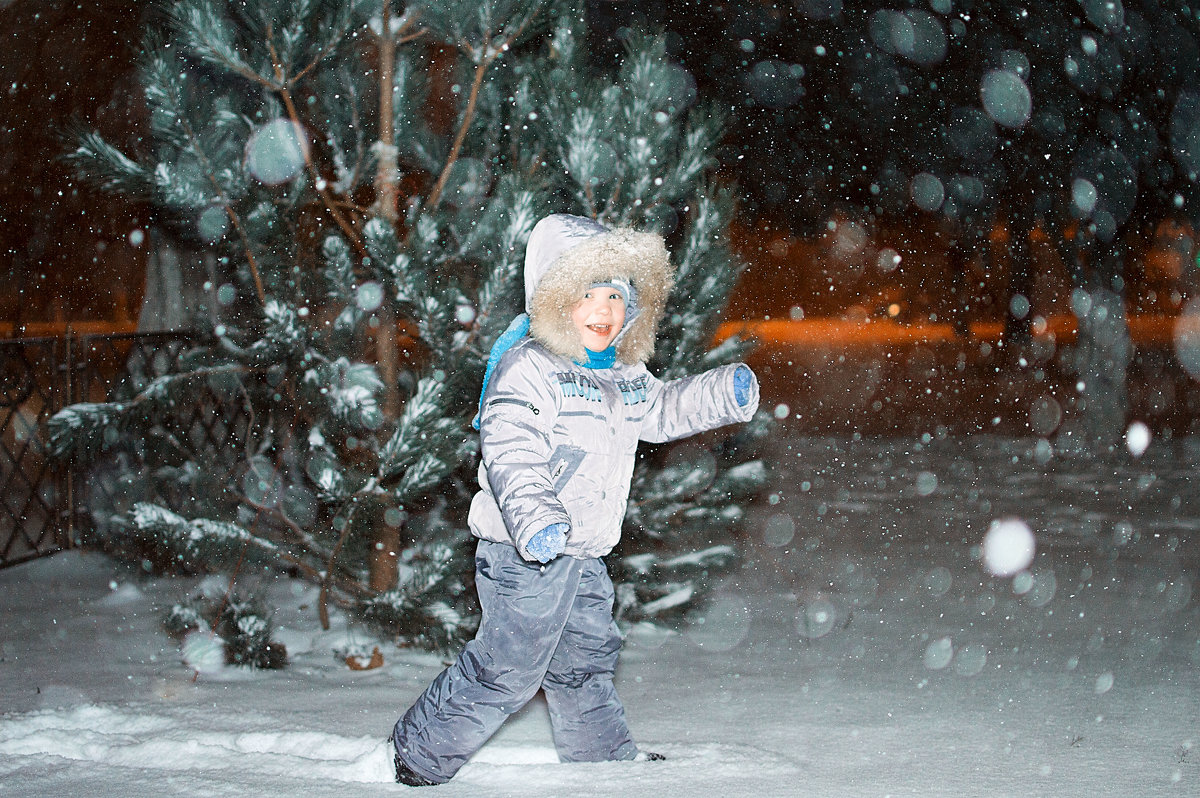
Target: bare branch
485, 60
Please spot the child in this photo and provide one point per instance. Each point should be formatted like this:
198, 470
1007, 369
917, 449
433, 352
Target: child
566, 397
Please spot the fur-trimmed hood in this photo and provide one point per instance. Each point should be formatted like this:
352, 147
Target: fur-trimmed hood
568, 254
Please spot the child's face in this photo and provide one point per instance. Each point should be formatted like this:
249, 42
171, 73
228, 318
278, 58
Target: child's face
599, 316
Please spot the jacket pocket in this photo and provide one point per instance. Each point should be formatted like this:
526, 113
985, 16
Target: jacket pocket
564, 462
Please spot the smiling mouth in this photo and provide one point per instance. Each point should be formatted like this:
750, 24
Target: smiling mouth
600, 329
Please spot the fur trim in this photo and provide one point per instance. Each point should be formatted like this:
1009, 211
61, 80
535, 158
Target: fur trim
638, 257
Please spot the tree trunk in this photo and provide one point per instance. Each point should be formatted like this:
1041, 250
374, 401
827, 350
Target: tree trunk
385, 559
385, 564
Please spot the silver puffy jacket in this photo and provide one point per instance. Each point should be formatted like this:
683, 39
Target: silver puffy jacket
559, 442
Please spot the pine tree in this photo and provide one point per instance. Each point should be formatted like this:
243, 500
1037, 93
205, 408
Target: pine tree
367, 177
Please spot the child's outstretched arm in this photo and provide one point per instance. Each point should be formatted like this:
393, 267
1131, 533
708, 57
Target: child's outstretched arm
720, 396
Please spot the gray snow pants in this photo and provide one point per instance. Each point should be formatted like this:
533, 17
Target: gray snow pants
544, 627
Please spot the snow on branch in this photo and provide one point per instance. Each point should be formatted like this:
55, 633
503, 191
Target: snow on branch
109, 168
349, 390
416, 610
201, 543
88, 428
85, 429
339, 268
209, 37
429, 442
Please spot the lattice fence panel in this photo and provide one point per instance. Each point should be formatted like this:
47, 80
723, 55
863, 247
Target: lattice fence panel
34, 384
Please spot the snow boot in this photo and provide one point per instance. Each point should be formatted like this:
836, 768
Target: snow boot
648, 756
406, 775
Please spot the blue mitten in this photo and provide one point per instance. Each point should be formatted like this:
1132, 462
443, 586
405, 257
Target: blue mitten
742, 379
549, 543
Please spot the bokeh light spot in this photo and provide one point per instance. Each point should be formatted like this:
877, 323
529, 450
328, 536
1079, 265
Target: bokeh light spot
1084, 195
970, 660
1045, 414
1008, 547
276, 152
721, 627
939, 653
1137, 438
1006, 98
369, 296
927, 192
816, 618
779, 530
888, 260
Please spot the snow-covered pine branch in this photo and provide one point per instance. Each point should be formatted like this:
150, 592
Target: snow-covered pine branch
429, 442
433, 466
416, 610
340, 282
350, 391
413, 137
380, 241
730, 350
163, 86
109, 168
285, 336
182, 189
420, 412
86, 429
201, 543
209, 36
435, 316
510, 218
741, 481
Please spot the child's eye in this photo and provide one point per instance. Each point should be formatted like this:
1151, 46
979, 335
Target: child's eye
614, 295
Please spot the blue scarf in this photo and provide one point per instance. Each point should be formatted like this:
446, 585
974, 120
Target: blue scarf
599, 360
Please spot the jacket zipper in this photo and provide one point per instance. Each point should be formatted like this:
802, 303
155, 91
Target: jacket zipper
508, 401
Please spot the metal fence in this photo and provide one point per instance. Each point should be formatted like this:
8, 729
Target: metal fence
43, 502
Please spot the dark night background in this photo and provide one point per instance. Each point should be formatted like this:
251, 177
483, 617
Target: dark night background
72, 253
798, 152
67, 253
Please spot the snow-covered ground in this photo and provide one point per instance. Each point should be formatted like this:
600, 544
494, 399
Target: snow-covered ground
863, 650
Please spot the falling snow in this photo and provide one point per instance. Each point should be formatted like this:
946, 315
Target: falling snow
977, 616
